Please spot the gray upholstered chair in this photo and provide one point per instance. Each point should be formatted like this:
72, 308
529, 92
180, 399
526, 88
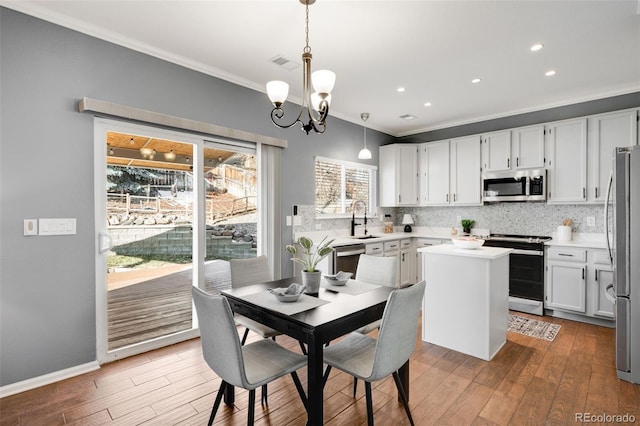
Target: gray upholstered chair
245, 272
372, 359
250, 366
377, 270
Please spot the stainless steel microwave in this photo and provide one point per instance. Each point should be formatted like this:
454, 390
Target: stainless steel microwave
520, 185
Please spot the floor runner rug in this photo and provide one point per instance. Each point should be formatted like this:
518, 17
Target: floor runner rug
533, 327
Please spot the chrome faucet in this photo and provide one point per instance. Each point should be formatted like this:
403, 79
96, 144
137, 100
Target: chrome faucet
353, 218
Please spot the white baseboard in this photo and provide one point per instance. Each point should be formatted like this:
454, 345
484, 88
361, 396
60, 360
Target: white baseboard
46, 379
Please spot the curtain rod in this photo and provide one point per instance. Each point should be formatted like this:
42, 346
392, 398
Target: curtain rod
122, 111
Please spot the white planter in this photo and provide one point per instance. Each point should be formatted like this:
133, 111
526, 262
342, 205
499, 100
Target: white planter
312, 281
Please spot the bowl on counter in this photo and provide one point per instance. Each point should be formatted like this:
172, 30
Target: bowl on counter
468, 243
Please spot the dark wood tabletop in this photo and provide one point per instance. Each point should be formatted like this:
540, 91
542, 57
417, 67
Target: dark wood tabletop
315, 327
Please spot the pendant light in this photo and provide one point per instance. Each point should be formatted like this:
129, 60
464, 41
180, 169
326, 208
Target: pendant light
364, 153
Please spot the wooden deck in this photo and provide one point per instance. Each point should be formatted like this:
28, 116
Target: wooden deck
159, 306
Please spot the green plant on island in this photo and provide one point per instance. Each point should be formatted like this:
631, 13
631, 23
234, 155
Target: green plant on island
467, 224
310, 258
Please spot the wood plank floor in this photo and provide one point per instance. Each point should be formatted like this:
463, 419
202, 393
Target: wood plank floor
530, 382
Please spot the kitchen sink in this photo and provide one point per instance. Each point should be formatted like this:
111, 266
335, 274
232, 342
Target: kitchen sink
366, 237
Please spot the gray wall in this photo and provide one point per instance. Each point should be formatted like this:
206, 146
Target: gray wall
47, 290
47, 312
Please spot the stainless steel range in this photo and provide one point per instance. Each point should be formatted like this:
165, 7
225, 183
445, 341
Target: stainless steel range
526, 270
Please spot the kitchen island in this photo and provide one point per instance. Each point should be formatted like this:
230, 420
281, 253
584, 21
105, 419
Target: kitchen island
466, 302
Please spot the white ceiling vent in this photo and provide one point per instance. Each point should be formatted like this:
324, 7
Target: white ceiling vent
284, 62
408, 117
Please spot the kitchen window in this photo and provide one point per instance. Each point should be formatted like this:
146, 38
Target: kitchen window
344, 187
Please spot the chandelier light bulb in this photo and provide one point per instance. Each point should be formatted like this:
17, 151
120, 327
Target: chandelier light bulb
277, 92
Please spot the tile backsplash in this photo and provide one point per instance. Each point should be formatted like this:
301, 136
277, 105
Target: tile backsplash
502, 218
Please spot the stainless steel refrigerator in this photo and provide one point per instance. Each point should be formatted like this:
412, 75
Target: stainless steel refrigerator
625, 255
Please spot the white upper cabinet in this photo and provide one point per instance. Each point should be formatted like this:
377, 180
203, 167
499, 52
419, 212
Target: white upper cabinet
465, 173
496, 151
607, 131
398, 175
450, 172
567, 161
528, 147
434, 173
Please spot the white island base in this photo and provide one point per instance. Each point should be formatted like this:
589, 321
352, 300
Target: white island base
466, 301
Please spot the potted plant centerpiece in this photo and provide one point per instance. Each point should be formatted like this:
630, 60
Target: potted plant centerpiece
466, 225
309, 259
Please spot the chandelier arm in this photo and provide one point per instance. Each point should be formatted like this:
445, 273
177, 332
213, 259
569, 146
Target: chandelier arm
278, 113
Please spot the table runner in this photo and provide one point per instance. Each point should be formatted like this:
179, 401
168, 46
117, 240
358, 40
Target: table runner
269, 301
352, 287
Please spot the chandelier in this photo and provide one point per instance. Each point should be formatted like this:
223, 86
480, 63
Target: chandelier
316, 101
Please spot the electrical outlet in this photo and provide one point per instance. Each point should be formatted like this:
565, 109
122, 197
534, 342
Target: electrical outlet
591, 221
31, 227
458, 219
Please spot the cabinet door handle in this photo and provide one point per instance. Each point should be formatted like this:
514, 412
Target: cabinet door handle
596, 192
454, 197
517, 161
565, 254
596, 275
584, 192
583, 273
399, 198
508, 163
447, 198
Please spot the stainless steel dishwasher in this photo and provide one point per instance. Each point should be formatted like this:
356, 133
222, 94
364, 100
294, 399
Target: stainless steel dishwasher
345, 258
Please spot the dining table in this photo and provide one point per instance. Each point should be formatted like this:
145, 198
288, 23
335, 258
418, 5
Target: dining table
334, 313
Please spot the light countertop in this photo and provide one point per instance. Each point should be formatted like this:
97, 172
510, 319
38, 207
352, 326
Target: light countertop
480, 252
581, 240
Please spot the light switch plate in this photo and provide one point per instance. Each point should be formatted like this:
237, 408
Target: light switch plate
591, 221
62, 226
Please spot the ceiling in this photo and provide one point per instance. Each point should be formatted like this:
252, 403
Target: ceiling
431, 48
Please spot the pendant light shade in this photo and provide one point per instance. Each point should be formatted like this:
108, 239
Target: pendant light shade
364, 153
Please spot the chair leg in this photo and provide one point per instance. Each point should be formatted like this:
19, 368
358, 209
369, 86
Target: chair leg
216, 404
403, 396
296, 381
263, 396
303, 347
367, 391
244, 337
325, 376
252, 407
355, 386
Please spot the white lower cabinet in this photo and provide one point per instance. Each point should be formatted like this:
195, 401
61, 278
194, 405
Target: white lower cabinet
407, 264
600, 276
576, 279
423, 242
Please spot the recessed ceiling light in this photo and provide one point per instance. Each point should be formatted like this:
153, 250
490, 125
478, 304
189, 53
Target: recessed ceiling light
400, 89
536, 47
550, 73
475, 80
427, 104
408, 117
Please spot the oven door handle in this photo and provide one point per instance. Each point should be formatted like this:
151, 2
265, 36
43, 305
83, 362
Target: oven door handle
349, 253
528, 252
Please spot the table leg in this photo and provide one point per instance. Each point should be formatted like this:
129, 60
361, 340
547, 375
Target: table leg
403, 372
229, 395
314, 382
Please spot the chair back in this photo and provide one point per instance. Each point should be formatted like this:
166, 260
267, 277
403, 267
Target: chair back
220, 344
397, 337
249, 271
377, 270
